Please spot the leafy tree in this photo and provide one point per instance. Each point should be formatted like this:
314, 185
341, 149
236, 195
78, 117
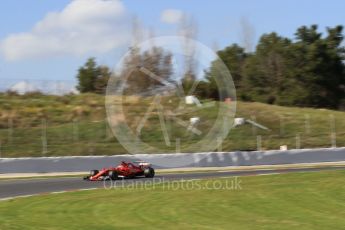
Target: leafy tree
102, 79
266, 71
306, 71
93, 78
319, 67
234, 58
87, 75
146, 70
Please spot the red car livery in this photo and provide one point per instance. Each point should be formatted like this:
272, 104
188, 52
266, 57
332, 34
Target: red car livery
124, 170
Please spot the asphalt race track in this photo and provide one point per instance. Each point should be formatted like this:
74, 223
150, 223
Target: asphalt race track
24, 187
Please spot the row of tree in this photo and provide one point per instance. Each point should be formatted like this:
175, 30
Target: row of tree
308, 70
137, 70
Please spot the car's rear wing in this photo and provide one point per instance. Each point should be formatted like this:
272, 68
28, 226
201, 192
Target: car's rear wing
143, 163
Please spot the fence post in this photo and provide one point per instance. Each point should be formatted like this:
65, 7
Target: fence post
178, 145
91, 148
253, 126
307, 123
258, 143
298, 141
225, 127
44, 137
281, 123
75, 130
219, 144
334, 140
0, 149
10, 130
333, 132
107, 136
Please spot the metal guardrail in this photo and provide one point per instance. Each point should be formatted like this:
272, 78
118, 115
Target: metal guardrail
178, 160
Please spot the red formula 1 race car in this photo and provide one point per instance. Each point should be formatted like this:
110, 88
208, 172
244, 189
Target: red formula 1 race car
124, 170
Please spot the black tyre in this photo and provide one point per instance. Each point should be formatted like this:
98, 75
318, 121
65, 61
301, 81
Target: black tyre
149, 172
94, 172
113, 175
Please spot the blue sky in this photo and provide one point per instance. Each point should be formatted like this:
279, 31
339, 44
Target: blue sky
219, 22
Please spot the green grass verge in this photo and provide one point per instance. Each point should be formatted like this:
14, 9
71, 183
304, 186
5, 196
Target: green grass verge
286, 201
75, 125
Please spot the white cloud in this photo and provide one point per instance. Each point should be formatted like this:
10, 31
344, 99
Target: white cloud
23, 87
82, 27
171, 16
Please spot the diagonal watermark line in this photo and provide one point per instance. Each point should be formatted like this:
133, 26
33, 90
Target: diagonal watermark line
155, 77
190, 110
163, 126
147, 114
186, 125
193, 88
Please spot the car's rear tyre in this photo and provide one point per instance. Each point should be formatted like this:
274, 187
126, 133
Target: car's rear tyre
94, 172
149, 172
113, 175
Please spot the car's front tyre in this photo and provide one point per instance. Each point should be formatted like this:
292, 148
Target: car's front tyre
113, 175
94, 172
149, 172
86, 178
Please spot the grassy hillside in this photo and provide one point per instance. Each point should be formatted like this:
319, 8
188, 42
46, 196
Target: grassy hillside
75, 125
302, 201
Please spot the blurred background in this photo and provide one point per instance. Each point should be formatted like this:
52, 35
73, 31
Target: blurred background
56, 59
